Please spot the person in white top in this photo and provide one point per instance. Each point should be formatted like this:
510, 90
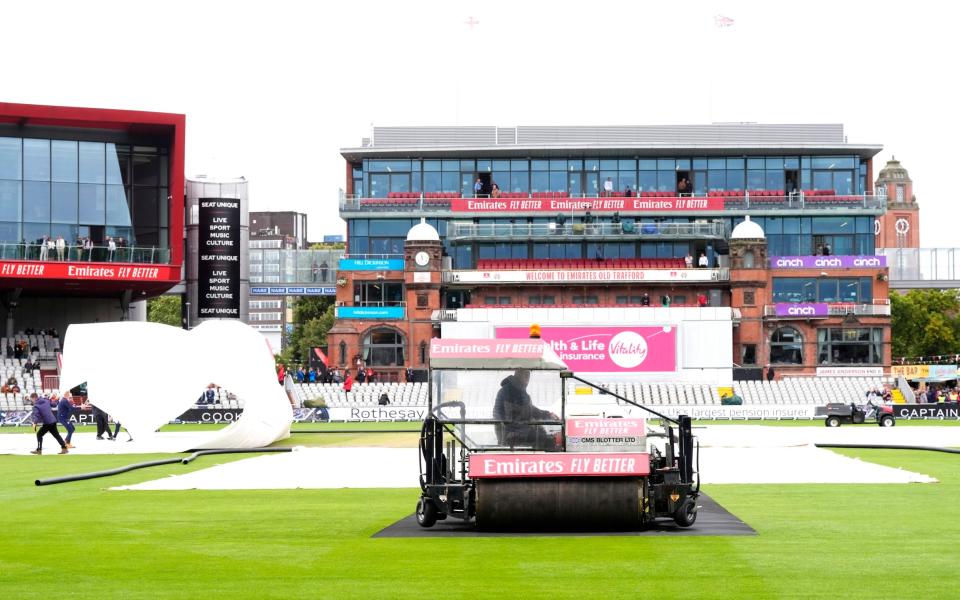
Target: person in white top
111, 248
702, 261
61, 247
688, 261
43, 248
608, 187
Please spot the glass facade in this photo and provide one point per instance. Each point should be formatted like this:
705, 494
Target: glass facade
786, 236
82, 189
802, 236
845, 175
823, 289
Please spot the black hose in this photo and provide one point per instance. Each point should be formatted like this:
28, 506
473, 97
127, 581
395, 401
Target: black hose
198, 453
890, 447
151, 463
107, 473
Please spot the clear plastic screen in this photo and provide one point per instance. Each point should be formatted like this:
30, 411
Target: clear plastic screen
507, 428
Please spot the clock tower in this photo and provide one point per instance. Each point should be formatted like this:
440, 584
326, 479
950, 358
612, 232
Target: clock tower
423, 257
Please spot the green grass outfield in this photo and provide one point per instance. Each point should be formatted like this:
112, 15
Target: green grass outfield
79, 540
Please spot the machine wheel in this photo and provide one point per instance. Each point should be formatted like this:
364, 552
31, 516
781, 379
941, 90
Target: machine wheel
686, 514
426, 513
887, 421
832, 422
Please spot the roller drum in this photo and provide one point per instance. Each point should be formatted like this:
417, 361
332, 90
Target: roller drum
559, 504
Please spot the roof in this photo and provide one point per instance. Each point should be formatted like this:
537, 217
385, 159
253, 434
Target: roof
423, 232
633, 140
747, 230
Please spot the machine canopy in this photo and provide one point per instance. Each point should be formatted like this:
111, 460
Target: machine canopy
499, 354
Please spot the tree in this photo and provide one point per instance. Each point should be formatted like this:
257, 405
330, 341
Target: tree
313, 317
164, 309
925, 323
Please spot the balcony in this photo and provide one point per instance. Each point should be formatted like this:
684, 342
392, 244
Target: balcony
149, 255
731, 203
467, 232
822, 310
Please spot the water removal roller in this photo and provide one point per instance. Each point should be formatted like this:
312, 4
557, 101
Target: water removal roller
499, 448
587, 503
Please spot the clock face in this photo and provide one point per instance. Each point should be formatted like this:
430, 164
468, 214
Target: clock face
422, 258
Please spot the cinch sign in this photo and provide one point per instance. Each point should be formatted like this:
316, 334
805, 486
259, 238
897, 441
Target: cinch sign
609, 349
548, 464
802, 309
555, 205
827, 262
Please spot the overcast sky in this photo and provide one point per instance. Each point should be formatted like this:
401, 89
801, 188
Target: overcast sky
273, 89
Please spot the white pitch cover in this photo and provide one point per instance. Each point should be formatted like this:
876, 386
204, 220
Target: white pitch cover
147, 374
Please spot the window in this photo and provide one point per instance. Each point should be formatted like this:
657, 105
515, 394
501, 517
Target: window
786, 347
586, 299
749, 354
749, 297
900, 193
423, 353
343, 353
850, 346
422, 300
383, 347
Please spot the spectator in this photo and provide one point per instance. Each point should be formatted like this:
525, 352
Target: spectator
384, 399
688, 261
348, 383
826, 249
300, 374
371, 375
61, 247
42, 415
361, 375
324, 270
665, 300
495, 192
111, 248
608, 187
408, 375
42, 242
312, 375
477, 188
281, 374
702, 261
314, 271
770, 374
628, 192
645, 300
209, 395
701, 300
88, 247
683, 187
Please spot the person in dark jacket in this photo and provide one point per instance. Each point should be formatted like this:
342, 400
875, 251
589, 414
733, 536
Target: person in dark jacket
513, 405
64, 408
43, 416
103, 425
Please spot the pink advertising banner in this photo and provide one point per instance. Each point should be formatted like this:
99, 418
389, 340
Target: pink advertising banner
568, 464
609, 349
554, 205
604, 427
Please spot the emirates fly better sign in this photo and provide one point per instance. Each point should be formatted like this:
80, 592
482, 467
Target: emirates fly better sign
609, 349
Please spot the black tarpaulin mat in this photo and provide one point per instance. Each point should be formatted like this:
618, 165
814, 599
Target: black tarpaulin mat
712, 519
